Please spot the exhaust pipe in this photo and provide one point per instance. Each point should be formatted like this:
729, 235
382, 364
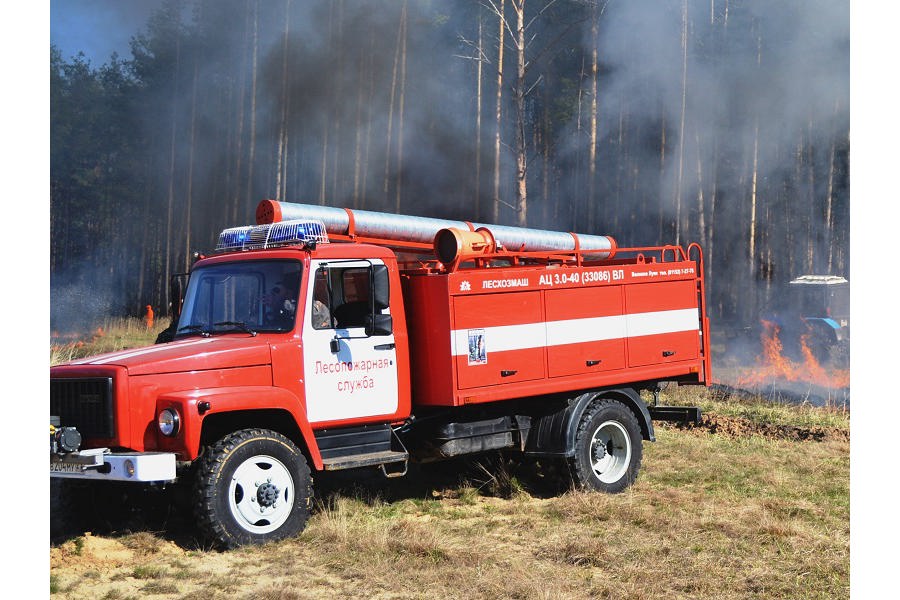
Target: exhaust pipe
423, 230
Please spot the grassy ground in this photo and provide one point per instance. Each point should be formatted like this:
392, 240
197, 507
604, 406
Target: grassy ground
752, 503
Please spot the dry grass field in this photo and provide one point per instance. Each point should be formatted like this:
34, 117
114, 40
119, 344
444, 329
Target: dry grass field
752, 503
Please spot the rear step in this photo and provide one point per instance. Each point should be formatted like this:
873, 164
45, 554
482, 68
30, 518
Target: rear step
680, 414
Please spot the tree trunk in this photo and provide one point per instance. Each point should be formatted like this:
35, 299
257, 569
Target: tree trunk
234, 190
575, 207
189, 199
679, 181
751, 242
281, 156
337, 92
521, 149
251, 156
829, 198
592, 153
399, 184
390, 123
498, 112
326, 125
357, 142
701, 212
371, 94
170, 196
479, 68
660, 222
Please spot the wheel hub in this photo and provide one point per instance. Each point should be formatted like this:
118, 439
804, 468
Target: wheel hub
267, 494
610, 451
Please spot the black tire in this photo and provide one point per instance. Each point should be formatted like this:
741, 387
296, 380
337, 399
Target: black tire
608, 448
79, 505
64, 515
253, 486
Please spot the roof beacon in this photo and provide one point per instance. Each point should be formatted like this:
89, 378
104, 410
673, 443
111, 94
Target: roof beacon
286, 233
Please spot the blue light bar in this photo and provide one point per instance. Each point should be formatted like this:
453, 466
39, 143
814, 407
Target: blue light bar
234, 238
284, 233
292, 231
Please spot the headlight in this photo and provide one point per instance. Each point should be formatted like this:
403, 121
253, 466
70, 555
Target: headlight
169, 422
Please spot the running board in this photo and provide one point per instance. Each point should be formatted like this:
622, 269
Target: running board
680, 414
371, 459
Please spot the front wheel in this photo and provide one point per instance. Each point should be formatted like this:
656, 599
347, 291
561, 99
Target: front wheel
252, 486
608, 448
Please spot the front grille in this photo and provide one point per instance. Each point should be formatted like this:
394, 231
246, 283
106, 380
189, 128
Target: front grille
84, 403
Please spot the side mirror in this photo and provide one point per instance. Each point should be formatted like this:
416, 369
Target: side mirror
177, 287
379, 325
381, 289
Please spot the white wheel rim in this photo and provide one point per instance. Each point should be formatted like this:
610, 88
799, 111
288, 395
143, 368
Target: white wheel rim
610, 452
261, 494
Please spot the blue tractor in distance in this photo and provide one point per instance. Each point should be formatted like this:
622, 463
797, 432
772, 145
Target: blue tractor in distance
815, 310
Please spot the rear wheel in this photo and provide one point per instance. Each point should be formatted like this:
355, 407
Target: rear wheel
608, 447
251, 487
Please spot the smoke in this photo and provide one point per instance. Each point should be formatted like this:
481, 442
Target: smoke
360, 104
726, 78
77, 303
732, 90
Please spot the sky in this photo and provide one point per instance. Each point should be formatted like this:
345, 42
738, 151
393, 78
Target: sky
97, 27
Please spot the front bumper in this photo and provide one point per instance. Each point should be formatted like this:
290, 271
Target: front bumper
102, 465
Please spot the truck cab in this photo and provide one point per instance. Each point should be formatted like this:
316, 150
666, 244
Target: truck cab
333, 319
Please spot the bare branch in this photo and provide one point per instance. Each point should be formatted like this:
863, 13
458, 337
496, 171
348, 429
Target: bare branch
493, 8
540, 12
478, 49
534, 85
506, 204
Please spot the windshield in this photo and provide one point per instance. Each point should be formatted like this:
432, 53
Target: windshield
249, 296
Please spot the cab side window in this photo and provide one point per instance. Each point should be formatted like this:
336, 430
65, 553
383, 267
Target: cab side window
321, 314
354, 304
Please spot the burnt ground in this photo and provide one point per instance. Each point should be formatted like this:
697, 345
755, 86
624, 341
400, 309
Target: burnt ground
740, 427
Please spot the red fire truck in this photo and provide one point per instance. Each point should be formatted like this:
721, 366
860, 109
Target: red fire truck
324, 339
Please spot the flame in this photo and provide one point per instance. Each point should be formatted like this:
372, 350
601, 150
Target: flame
772, 365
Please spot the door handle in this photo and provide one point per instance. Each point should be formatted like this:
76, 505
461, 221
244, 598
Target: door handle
390, 346
668, 353
592, 363
507, 373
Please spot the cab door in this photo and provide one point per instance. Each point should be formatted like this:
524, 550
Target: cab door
350, 369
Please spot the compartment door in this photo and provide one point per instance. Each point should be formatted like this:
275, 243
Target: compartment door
585, 330
498, 338
663, 322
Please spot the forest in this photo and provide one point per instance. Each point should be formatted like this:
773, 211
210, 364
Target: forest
722, 122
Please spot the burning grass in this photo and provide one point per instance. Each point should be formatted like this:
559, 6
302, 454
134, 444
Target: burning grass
799, 379
774, 364
111, 335
743, 513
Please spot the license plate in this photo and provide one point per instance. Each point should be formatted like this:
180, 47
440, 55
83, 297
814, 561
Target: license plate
61, 467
